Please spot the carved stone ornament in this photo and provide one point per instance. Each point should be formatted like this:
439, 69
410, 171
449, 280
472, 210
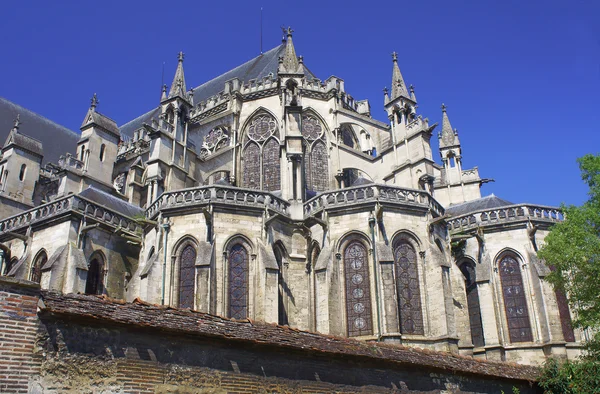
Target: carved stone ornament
119, 182
261, 128
216, 139
311, 127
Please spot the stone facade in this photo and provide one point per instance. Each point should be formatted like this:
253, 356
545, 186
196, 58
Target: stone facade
271, 195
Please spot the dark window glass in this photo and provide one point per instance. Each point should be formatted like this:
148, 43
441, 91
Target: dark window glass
36, 268
187, 277
238, 282
93, 284
515, 303
347, 137
271, 166
358, 291
251, 173
22, 172
102, 149
468, 270
409, 294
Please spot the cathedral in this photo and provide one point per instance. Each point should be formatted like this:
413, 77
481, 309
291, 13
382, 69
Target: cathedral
271, 195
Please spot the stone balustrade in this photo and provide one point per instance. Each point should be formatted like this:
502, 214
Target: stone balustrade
66, 204
372, 193
218, 194
504, 215
69, 161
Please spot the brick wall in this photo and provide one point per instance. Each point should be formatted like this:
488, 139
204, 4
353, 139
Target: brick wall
19, 328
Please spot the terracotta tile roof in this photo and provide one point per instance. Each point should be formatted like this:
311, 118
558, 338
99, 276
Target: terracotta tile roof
142, 314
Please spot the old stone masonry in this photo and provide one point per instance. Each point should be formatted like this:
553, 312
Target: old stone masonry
270, 195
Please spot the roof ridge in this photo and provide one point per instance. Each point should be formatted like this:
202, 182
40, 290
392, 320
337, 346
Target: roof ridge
20, 108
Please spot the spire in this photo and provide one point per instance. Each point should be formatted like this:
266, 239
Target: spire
290, 60
178, 86
94, 102
386, 97
412, 94
163, 95
448, 136
398, 85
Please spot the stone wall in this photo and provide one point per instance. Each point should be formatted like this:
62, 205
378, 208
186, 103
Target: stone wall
80, 343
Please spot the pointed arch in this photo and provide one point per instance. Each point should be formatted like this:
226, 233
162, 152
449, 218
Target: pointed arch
94, 283
183, 270
35, 274
408, 285
257, 112
271, 167
468, 268
238, 251
359, 311
513, 295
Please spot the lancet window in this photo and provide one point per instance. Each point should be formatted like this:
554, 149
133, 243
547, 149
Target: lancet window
94, 283
358, 292
468, 270
408, 288
262, 155
36, 267
515, 303
215, 140
315, 157
238, 281
187, 277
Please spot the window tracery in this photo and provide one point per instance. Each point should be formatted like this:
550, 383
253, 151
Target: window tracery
316, 166
187, 277
515, 303
409, 293
261, 167
215, 140
358, 292
238, 281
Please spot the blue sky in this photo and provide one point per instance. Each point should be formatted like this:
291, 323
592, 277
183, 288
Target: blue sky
521, 79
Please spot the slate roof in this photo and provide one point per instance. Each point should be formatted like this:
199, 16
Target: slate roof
25, 142
146, 316
257, 68
111, 202
479, 204
38, 128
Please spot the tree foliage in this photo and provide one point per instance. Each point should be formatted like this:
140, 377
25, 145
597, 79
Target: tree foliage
572, 251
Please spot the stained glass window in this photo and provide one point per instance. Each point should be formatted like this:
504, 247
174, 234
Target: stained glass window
251, 173
319, 167
468, 270
409, 294
187, 277
36, 268
311, 127
93, 284
358, 291
515, 303
238, 282
271, 166
347, 137
262, 127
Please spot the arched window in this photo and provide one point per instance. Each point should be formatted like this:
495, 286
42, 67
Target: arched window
261, 167
468, 270
358, 291
348, 136
81, 152
187, 277
408, 288
22, 172
93, 284
315, 157
238, 281
102, 149
36, 268
9, 265
515, 303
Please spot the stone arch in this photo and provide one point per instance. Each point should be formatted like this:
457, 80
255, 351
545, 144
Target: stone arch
514, 299
35, 273
406, 249
468, 269
354, 248
183, 272
96, 274
238, 250
348, 135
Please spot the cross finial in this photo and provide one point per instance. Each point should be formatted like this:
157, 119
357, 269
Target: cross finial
289, 31
385, 91
17, 121
395, 56
94, 101
412, 89
180, 56
444, 107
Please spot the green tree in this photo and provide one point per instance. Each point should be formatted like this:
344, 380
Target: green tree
572, 250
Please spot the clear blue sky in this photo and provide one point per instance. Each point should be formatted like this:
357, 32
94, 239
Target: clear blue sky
521, 79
